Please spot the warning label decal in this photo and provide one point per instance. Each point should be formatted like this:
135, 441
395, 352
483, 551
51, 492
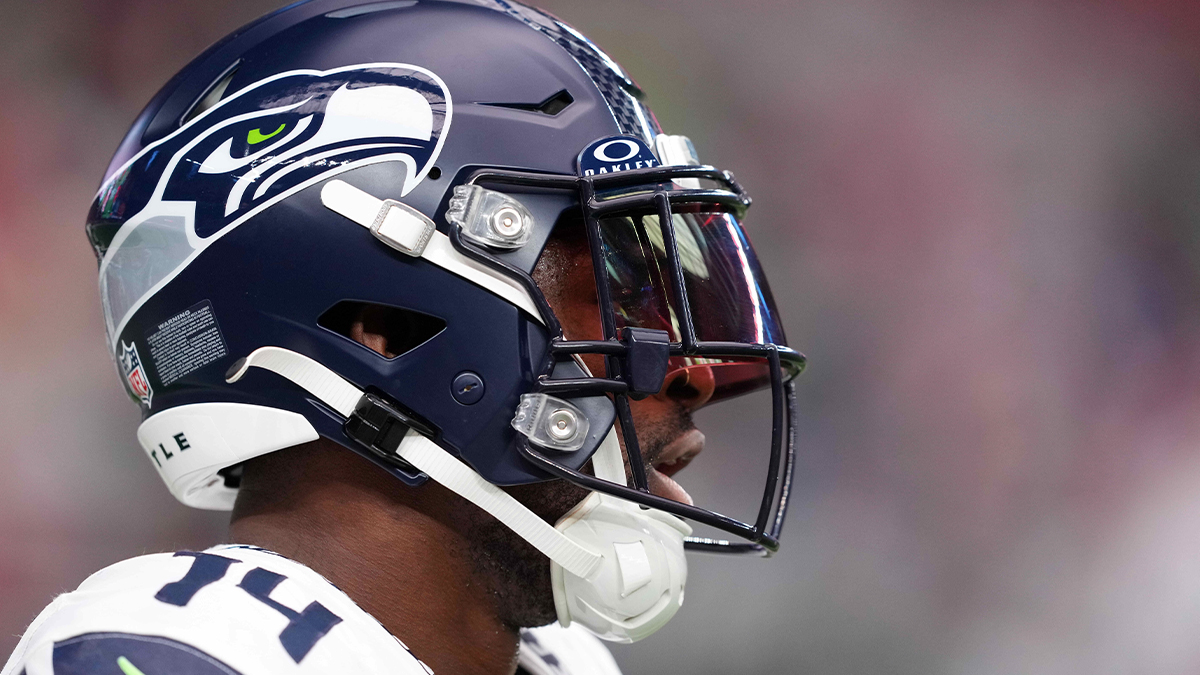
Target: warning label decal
186, 342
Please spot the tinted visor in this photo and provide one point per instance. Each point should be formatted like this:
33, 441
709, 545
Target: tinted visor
727, 294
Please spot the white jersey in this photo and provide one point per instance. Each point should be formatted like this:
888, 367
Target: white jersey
240, 610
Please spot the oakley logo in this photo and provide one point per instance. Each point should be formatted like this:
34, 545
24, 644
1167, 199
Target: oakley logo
615, 154
604, 150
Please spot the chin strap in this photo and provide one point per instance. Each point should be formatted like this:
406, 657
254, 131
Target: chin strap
335, 392
409, 231
617, 569
608, 463
460, 479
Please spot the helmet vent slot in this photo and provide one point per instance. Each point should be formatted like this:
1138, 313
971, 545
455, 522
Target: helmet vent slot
388, 331
551, 106
211, 96
369, 8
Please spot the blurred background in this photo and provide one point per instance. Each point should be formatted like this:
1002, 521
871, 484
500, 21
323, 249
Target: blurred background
982, 224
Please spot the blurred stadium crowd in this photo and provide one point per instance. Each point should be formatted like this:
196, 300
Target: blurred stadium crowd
981, 222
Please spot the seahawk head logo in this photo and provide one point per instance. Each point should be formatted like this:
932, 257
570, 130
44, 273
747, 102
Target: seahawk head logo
251, 150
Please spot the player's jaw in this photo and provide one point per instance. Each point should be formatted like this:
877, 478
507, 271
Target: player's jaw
668, 441
672, 459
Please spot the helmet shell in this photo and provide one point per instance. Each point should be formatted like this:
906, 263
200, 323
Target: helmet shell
273, 265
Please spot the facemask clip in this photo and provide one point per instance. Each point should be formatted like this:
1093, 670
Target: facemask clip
646, 360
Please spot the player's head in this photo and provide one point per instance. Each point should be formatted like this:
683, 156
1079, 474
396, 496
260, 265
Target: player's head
437, 230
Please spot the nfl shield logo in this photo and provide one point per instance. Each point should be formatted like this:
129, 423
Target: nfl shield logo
135, 373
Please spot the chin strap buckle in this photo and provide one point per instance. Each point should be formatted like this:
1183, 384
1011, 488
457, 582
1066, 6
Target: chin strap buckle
379, 426
402, 227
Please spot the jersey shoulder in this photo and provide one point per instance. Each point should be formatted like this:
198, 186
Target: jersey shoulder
231, 610
554, 650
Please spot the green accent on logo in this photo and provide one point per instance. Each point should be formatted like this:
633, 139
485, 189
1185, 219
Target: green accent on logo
257, 136
127, 667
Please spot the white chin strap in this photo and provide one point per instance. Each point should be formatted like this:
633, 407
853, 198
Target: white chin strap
616, 568
409, 231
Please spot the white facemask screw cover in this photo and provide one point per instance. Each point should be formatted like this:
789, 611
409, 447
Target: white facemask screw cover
490, 218
675, 150
551, 422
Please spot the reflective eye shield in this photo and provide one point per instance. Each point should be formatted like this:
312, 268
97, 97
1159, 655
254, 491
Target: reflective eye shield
703, 255
721, 275
727, 295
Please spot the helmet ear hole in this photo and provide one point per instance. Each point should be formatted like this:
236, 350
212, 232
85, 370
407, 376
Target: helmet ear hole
232, 476
388, 331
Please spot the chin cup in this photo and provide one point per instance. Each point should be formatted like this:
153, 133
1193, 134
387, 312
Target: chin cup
638, 586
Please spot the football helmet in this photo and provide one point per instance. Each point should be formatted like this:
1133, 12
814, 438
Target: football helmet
416, 156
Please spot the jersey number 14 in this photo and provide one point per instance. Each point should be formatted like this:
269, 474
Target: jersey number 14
304, 628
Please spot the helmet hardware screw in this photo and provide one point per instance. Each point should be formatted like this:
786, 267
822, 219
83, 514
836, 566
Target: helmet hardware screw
561, 424
507, 222
467, 388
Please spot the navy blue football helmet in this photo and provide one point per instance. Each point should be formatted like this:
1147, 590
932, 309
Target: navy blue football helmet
416, 156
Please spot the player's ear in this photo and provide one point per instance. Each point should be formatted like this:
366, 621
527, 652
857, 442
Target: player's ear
370, 328
388, 331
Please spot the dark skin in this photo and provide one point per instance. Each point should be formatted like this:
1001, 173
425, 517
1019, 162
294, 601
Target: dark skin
432, 568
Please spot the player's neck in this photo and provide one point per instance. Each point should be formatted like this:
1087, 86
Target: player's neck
407, 569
